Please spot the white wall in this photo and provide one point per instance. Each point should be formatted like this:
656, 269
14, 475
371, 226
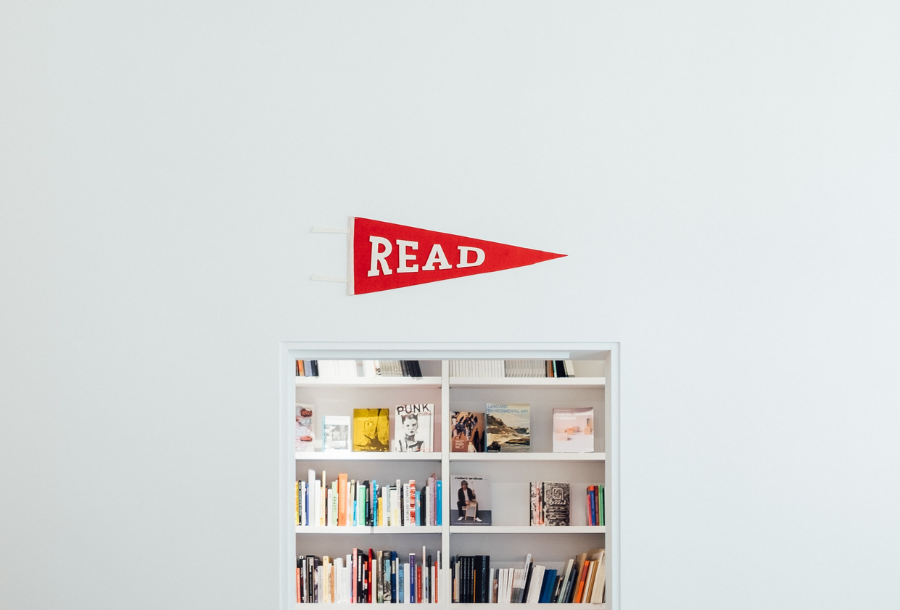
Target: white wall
723, 177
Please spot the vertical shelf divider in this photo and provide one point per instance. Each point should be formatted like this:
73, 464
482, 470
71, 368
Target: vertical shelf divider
445, 478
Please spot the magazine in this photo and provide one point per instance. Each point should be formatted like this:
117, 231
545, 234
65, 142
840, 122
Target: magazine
508, 428
336, 433
303, 430
371, 430
573, 430
471, 496
413, 428
466, 432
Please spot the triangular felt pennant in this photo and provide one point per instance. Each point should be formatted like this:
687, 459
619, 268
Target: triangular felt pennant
384, 256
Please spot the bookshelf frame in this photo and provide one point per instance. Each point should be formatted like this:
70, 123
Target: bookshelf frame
316, 350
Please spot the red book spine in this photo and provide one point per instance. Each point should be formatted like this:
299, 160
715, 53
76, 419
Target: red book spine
371, 577
419, 597
299, 596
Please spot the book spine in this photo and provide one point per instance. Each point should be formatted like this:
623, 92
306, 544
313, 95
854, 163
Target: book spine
412, 578
440, 504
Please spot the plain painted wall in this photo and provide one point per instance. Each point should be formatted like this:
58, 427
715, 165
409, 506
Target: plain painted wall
723, 176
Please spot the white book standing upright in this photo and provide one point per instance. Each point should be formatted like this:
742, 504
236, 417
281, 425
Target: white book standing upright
509, 538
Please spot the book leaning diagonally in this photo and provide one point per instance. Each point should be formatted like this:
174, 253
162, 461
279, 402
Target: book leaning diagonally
600, 578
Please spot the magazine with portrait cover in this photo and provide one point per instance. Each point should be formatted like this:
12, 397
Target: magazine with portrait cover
466, 432
470, 500
508, 428
413, 428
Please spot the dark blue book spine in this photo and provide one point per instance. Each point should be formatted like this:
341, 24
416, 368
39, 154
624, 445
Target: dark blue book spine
418, 507
547, 589
394, 591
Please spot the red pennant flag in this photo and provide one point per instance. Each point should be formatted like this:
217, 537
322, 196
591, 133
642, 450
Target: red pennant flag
385, 256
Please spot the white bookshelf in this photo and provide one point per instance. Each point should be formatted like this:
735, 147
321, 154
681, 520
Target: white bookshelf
509, 537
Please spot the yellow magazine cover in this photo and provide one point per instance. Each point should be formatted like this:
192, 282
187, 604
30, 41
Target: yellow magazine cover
371, 430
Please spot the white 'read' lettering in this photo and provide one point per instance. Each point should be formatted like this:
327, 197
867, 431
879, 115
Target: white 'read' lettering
402, 246
464, 256
380, 257
436, 256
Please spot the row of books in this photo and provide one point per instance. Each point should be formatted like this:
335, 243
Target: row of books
583, 580
357, 368
413, 429
512, 368
596, 505
373, 577
346, 502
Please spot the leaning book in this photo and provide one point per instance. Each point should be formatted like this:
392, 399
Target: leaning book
471, 496
556, 506
413, 428
573, 430
508, 428
466, 432
303, 428
371, 430
336, 433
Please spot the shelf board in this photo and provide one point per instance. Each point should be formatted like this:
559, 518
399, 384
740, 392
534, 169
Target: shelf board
349, 529
367, 456
528, 382
526, 457
524, 606
368, 382
527, 529
346, 606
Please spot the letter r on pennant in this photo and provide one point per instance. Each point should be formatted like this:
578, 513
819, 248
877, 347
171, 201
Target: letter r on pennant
380, 257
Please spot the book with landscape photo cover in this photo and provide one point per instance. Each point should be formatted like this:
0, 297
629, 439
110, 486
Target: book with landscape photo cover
371, 430
573, 430
413, 428
466, 432
508, 428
